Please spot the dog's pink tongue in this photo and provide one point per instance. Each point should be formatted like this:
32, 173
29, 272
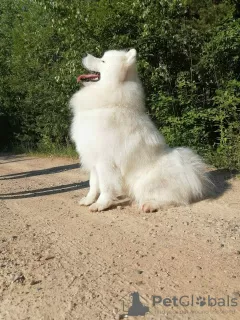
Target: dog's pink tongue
87, 76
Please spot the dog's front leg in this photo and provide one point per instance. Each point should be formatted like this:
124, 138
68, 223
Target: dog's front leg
94, 190
110, 184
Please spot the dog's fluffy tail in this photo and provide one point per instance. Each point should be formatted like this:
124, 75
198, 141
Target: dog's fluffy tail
178, 177
193, 175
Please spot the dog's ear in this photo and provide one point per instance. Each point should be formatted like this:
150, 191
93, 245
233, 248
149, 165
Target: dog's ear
131, 57
127, 69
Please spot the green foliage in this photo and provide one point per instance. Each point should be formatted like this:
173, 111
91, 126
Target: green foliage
189, 62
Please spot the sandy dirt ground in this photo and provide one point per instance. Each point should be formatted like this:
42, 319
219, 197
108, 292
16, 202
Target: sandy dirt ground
59, 261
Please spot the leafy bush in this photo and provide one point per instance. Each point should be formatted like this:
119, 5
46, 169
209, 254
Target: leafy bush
189, 62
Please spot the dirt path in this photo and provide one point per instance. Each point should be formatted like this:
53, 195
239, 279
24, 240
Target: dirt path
59, 261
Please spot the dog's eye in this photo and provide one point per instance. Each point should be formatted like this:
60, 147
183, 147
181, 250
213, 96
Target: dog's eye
103, 61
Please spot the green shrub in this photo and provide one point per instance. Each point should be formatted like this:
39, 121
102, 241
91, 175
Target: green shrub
188, 59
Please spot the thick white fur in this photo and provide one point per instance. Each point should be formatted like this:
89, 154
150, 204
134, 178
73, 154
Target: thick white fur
120, 146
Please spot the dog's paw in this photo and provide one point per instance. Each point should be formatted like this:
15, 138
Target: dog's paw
98, 207
150, 206
86, 201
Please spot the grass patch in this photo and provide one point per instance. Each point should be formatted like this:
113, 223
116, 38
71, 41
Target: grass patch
40, 150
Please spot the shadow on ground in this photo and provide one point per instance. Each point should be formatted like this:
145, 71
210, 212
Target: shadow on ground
44, 191
9, 158
33, 173
220, 179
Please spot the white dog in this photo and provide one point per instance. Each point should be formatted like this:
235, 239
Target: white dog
120, 146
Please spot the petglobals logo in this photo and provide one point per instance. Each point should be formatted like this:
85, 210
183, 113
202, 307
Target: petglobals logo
136, 305
191, 301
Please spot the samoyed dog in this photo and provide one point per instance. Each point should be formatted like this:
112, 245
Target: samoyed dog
120, 146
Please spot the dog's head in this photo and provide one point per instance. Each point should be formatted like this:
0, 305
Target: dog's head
113, 67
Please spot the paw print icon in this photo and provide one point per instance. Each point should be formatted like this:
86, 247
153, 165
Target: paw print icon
201, 301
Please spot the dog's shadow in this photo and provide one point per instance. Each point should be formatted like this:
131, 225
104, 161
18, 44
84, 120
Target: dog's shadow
220, 179
121, 202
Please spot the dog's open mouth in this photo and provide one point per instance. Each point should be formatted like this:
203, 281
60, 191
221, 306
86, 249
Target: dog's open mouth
89, 77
